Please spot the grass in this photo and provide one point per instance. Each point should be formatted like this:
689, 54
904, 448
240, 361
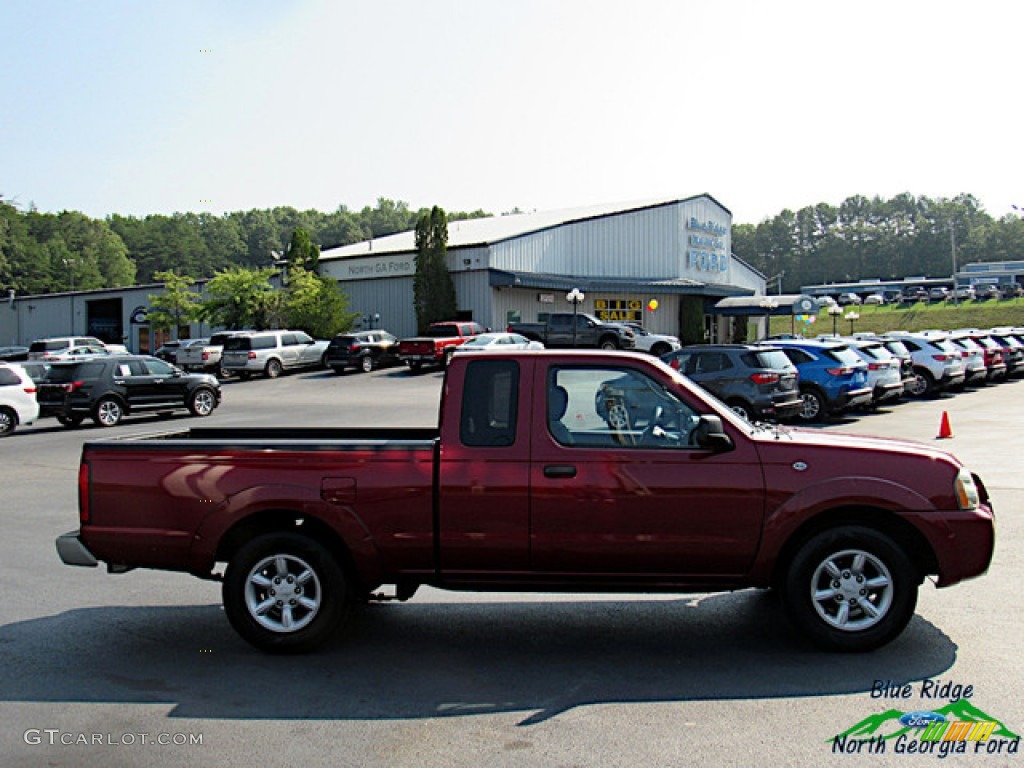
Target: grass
921, 316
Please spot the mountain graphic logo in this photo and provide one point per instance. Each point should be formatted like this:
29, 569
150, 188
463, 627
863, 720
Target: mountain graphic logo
886, 725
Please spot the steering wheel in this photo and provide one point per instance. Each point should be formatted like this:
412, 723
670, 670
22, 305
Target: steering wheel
654, 435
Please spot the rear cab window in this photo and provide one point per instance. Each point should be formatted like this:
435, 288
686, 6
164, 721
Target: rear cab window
490, 403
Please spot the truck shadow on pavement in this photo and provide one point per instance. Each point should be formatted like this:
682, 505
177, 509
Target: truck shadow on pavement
429, 659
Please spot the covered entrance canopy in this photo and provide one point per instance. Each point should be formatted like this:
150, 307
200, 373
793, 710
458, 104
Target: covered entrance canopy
783, 304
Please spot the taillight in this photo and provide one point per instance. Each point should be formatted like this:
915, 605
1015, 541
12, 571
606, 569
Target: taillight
252, 355
765, 378
839, 371
71, 386
30, 390
876, 366
355, 347
83, 493
941, 358
206, 355
675, 363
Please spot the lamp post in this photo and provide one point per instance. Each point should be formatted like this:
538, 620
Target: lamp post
768, 304
70, 264
574, 297
834, 311
852, 317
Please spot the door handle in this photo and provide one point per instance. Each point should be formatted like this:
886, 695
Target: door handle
559, 470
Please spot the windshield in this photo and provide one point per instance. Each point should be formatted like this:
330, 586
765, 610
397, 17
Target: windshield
442, 331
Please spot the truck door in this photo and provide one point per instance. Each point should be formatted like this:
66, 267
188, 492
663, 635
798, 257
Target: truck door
483, 492
619, 489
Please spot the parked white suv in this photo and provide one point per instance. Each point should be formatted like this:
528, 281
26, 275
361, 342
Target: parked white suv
656, 343
17, 398
938, 363
50, 349
271, 352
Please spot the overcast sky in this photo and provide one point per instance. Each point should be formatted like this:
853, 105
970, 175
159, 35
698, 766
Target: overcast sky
136, 107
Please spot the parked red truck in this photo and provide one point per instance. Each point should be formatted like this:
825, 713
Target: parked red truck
539, 477
438, 345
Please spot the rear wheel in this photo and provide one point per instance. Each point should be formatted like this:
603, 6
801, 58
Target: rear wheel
273, 369
108, 412
814, 407
851, 589
69, 420
285, 593
660, 349
923, 383
202, 402
366, 364
741, 408
415, 366
8, 421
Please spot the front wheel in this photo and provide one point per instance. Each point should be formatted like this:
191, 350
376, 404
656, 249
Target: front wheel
609, 344
851, 589
285, 593
740, 408
108, 412
202, 402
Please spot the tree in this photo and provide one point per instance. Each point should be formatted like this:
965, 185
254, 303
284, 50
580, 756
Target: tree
240, 297
433, 289
316, 305
302, 252
176, 306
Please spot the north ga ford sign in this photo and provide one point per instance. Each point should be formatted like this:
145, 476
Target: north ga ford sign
706, 246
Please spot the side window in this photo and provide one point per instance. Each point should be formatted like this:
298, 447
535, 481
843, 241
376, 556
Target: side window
158, 368
8, 377
289, 340
615, 407
302, 338
490, 403
264, 342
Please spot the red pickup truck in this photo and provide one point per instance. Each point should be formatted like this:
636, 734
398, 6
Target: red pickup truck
575, 471
437, 347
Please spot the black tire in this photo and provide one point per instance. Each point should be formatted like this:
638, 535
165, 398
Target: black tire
244, 375
366, 363
743, 409
923, 384
660, 349
609, 343
415, 366
108, 412
273, 369
8, 421
202, 402
815, 406
222, 373
315, 601
839, 571
69, 421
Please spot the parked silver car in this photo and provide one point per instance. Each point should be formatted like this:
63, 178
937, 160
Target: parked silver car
271, 352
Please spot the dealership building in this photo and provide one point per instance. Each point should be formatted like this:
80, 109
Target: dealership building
641, 261
652, 262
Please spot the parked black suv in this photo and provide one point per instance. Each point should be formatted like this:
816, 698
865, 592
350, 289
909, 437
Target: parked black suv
362, 350
757, 382
110, 389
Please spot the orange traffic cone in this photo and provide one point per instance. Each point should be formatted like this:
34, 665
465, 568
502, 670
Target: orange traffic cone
944, 429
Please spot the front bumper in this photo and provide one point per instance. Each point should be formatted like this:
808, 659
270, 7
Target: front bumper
73, 552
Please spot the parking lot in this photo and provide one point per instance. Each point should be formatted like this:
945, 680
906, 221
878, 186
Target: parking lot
101, 669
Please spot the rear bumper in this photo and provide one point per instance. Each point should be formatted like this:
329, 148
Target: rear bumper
73, 552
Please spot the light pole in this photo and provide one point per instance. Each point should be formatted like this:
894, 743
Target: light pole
834, 311
852, 317
574, 297
70, 264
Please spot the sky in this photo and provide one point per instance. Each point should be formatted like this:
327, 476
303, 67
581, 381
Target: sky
157, 106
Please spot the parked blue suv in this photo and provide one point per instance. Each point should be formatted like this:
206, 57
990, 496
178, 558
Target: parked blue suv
833, 378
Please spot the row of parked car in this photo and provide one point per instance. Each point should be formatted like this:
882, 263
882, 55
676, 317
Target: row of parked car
913, 294
799, 379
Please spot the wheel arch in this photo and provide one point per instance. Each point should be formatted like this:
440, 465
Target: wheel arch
903, 533
289, 521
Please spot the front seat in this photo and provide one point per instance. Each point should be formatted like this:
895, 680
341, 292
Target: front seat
558, 402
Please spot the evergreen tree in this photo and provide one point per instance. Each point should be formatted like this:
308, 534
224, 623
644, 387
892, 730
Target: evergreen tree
433, 289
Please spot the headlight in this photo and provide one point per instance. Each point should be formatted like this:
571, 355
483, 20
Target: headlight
966, 490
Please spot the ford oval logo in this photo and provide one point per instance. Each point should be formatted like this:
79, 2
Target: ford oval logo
799, 466
921, 719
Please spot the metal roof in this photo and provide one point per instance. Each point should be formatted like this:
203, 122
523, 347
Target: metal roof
503, 279
466, 233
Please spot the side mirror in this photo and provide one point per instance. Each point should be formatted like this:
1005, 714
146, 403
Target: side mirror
710, 434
